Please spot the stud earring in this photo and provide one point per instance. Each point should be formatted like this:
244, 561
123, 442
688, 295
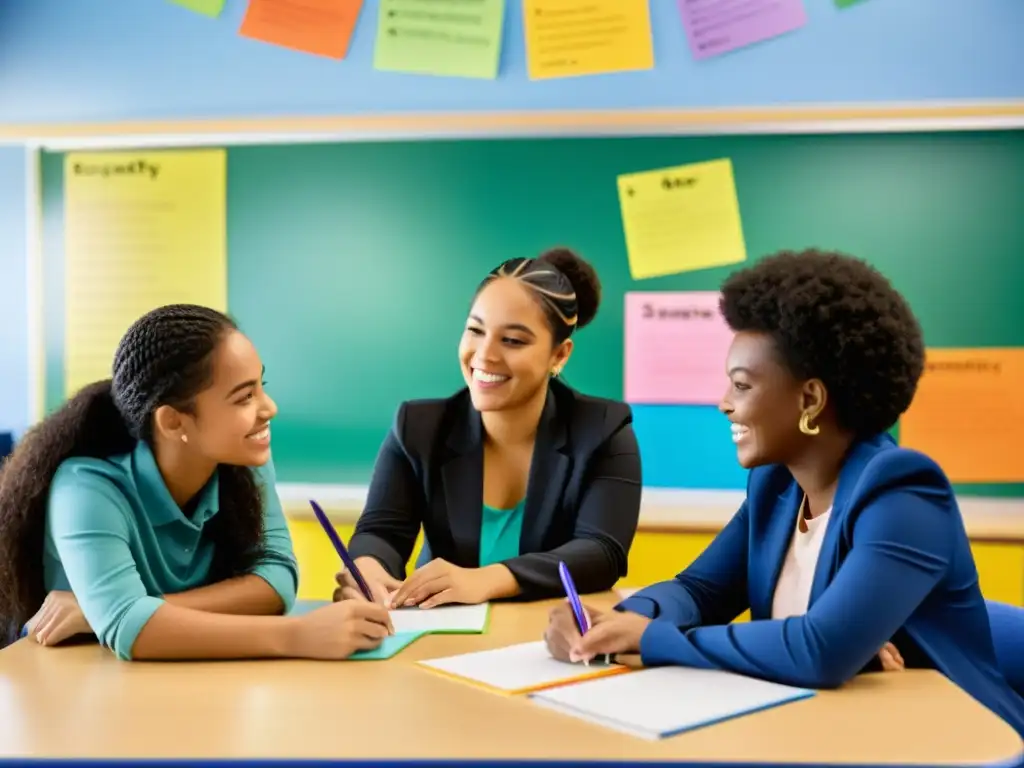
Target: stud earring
184, 438
555, 372
805, 424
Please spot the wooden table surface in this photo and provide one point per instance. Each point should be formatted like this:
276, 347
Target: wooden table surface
80, 702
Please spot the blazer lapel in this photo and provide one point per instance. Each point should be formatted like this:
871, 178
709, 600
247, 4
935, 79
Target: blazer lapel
828, 559
774, 541
549, 469
462, 475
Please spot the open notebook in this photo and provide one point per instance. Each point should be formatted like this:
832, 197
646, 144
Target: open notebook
517, 668
665, 701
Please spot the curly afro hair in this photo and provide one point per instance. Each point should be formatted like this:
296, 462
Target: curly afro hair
835, 318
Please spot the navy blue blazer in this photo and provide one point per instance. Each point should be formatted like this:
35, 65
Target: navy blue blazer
582, 496
895, 565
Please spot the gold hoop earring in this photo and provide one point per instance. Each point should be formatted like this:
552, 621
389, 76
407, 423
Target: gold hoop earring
805, 424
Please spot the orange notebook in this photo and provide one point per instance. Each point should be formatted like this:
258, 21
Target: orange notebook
517, 669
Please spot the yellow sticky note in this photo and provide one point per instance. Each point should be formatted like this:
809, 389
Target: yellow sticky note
967, 413
565, 38
681, 219
142, 229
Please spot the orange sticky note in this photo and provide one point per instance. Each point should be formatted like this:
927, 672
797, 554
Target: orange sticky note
566, 38
967, 413
321, 27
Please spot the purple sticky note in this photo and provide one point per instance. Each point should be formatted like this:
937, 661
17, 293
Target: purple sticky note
714, 27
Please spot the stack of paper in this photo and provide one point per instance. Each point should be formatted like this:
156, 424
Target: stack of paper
517, 668
661, 702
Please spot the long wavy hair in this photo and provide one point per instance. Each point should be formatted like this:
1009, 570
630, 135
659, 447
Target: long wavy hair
165, 358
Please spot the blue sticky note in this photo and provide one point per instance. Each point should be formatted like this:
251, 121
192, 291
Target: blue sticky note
388, 648
687, 446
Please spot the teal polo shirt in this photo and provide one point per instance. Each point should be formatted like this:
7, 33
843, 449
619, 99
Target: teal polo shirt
500, 531
116, 538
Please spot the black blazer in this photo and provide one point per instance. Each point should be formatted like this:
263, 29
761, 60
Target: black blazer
582, 498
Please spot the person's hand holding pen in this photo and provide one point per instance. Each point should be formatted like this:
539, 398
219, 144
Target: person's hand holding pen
382, 584
613, 633
563, 633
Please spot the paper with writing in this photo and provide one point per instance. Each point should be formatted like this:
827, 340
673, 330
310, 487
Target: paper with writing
142, 229
967, 413
426, 37
676, 345
566, 38
681, 219
319, 27
714, 27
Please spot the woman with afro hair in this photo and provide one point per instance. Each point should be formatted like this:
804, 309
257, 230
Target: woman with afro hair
143, 511
849, 551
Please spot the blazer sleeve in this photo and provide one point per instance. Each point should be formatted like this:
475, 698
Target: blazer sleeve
903, 542
390, 522
605, 525
712, 590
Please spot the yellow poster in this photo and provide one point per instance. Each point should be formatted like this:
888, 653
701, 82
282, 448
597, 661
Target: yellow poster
567, 38
142, 229
681, 219
967, 412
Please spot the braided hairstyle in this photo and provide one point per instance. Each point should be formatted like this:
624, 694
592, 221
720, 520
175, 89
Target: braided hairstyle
565, 285
165, 358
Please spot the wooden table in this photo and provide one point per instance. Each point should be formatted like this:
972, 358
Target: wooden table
80, 702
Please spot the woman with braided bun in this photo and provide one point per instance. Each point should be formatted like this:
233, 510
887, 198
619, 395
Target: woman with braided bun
512, 474
143, 511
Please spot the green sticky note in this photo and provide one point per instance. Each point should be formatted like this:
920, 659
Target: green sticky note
210, 8
427, 37
388, 647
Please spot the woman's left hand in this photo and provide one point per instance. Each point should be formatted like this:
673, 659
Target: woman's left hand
612, 633
439, 582
57, 619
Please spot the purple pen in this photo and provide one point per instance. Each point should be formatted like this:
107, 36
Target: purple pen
339, 547
574, 598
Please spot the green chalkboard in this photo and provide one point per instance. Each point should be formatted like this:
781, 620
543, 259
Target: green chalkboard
352, 265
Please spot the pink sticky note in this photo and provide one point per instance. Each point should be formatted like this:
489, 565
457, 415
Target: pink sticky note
714, 27
676, 345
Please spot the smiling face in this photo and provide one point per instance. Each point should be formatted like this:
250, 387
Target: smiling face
507, 351
230, 419
764, 402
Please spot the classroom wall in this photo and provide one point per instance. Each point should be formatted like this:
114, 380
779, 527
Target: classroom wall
14, 414
76, 60
79, 60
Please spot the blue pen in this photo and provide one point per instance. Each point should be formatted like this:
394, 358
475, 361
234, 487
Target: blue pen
346, 559
574, 602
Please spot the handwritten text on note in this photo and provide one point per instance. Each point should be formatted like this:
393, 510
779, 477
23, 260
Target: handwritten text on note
319, 27
714, 27
565, 38
676, 345
681, 219
460, 39
967, 414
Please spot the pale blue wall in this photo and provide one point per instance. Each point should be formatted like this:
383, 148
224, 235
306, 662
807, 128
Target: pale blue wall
13, 303
100, 60
68, 60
